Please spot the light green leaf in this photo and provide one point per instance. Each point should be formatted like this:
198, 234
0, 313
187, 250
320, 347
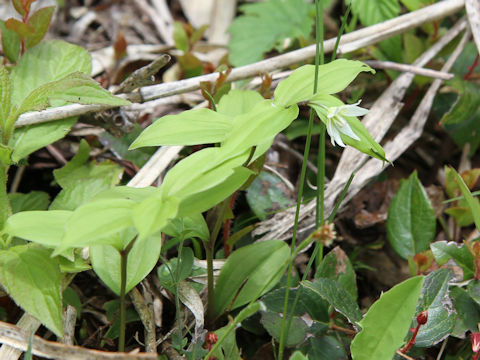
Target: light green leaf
95, 222
249, 272
332, 78
238, 102
411, 219
72, 197
152, 214
366, 144
263, 122
43, 227
47, 62
5, 97
386, 323
63, 176
34, 200
266, 25
372, 12
32, 279
180, 37
297, 355
436, 300
192, 127
26, 140
337, 297
142, 258
188, 227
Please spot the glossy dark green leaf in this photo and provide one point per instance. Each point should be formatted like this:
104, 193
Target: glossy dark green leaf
411, 219
444, 251
267, 194
325, 348
249, 272
436, 300
386, 323
473, 289
36, 288
272, 322
336, 295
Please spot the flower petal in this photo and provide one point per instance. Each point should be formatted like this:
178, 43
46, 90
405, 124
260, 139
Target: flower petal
334, 134
347, 130
353, 110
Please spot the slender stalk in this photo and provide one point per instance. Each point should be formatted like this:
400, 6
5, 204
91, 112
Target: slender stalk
342, 29
209, 251
319, 32
123, 284
177, 278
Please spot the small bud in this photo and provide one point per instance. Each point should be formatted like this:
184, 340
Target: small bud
422, 317
475, 339
211, 339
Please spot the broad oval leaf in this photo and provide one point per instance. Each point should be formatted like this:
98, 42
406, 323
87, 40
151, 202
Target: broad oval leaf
43, 227
249, 272
32, 278
332, 78
387, 322
142, 258
411, 219
192, 127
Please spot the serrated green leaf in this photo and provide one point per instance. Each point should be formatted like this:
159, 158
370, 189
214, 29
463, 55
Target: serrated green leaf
39, 21
366, 144
26, 140
436, 300
332, 78
200, 126
411, 219
142, 258
36, 288
337, 266
43, 227
372, 12
387, 322
47, 62
5, 97
337, 297
444, 251
34, 200
265, 25
247, 272
467, 310
10, 43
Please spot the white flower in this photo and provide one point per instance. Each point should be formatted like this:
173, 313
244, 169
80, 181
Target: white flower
337, 124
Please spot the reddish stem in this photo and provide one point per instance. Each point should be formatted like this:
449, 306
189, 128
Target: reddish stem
468, 75
407, 347
226, 228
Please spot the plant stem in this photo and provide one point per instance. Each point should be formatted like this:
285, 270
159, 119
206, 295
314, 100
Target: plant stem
123, 284
209, 252
318, 55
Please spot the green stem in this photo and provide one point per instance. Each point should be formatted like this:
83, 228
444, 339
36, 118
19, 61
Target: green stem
318, 59
123, 284
342, 29
209, 252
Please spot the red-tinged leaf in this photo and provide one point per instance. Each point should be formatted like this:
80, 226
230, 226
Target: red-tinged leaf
17, 4
10, 43
39, 21
26, 5
19, 27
